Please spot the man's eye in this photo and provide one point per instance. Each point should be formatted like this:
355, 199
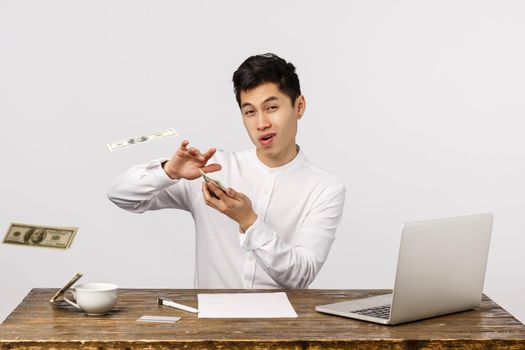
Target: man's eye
248, 113
272, 108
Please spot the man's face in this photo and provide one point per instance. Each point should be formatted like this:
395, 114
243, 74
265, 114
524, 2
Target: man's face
271, 121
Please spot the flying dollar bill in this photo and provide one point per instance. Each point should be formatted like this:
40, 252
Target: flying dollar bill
114, 146
40, 236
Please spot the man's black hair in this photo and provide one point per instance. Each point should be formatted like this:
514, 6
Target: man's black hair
266, 68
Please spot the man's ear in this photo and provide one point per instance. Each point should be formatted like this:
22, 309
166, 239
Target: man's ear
300, 106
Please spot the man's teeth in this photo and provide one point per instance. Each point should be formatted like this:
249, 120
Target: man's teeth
267, 137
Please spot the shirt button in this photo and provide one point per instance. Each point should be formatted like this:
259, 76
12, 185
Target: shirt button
251, 257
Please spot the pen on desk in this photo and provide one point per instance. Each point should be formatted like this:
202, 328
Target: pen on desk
167, 302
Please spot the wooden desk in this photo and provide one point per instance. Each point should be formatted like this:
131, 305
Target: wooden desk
37, 324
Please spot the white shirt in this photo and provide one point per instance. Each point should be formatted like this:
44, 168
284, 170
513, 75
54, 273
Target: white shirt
298, 205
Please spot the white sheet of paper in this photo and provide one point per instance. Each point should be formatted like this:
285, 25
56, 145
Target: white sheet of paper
245, 305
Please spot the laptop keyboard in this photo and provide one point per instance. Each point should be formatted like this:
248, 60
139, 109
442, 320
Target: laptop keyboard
378, 311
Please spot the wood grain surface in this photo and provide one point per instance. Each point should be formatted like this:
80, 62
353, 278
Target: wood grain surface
38, 324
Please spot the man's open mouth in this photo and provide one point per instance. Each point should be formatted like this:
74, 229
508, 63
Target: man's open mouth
266, 137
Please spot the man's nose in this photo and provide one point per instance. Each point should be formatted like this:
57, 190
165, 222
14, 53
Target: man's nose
263, 122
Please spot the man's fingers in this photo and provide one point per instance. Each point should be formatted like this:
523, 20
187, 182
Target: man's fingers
205, 192
231, 192
210, 168
194, 152
216, 190
200, 156
208, 197
184, 144
182, 150
210, 153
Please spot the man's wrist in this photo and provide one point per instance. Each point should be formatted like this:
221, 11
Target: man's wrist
165, 167
248, 222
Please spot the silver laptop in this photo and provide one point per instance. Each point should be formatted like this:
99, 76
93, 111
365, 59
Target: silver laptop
440, 270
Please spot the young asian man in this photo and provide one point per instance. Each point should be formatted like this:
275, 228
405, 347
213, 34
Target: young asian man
273, 228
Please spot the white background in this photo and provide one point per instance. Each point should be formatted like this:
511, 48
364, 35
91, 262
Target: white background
417, 106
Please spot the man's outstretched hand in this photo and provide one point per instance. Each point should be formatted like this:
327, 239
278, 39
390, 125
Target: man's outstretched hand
186, 162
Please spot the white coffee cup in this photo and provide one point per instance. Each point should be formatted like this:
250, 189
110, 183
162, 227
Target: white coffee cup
93, 298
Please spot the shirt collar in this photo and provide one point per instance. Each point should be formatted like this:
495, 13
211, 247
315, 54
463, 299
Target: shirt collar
280, 170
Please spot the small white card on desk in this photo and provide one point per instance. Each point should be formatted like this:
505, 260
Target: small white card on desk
245, 305
165, 319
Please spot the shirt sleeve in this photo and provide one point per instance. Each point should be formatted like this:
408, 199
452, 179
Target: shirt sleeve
148, 187
296, 265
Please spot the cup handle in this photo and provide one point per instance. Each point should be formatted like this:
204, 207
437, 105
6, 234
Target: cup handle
70, 301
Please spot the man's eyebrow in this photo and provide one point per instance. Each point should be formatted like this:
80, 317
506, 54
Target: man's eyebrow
271, 98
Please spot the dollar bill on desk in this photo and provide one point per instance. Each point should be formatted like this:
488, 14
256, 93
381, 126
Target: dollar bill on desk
62, 290
40, 236
163, 319
114, 146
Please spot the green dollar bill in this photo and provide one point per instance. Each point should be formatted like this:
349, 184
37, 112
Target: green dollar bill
40, 236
